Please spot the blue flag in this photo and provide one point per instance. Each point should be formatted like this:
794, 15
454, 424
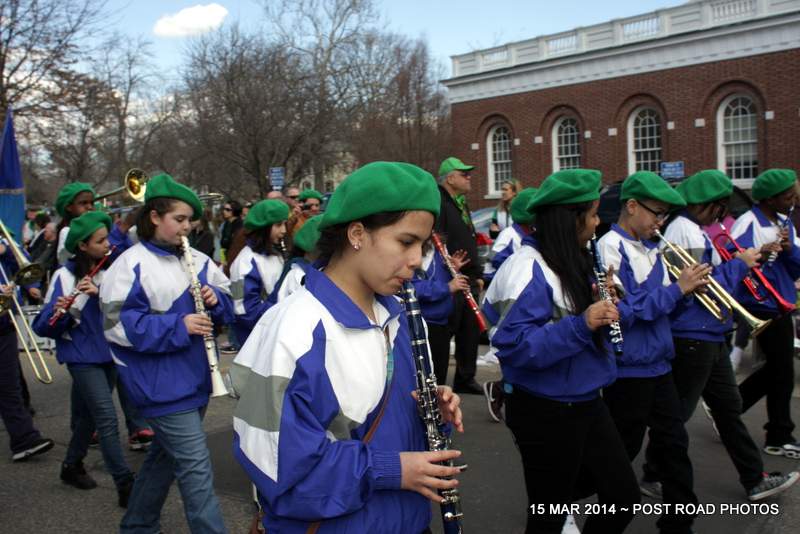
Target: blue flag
12, 192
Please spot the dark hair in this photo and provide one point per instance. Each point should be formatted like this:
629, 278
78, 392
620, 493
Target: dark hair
556, 231
259, 241
333, 240
236, 207
145, 228
41, 220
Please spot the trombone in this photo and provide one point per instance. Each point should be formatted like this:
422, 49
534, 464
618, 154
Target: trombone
28, 273
134, 184
717, 301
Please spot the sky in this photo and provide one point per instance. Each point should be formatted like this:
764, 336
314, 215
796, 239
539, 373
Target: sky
450, 26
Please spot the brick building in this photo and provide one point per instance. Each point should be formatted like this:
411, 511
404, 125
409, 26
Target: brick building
707, 84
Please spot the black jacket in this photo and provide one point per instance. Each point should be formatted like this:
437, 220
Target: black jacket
457, 235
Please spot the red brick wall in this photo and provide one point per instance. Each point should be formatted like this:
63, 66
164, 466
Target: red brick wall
682, 95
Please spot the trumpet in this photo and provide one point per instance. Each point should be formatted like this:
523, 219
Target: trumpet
755, 279
134, 183
717, 301
28, 273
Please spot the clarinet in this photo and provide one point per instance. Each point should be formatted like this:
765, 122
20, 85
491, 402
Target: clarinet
615, 329
75, 292
442, 248
784, 224
429, 406
217, 383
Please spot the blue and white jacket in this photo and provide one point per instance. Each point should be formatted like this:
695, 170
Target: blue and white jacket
79, 333
508, 242
690, 319
311, 378
290, 280
543, 348
648, 297
253, 277
431, 284
144, 298
753, 229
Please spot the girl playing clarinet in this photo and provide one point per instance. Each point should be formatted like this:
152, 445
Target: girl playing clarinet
327, 427
550, 340
156, 337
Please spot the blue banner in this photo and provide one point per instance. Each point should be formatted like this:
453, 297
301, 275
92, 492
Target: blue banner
12, 191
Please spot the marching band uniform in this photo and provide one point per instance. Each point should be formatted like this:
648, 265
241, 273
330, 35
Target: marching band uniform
146, 294
254, 274
775, 379
314, 377
644, 393
701, 366
554, 371
81, 345
294, 272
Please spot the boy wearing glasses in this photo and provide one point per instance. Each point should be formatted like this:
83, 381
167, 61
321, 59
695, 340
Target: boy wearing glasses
644, 393
701, 366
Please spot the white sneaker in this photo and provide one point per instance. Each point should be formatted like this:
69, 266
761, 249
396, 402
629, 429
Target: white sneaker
789, 450
488, 358
570, 527
710, 417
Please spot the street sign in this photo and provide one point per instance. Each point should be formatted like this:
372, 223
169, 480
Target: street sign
276, 177
671, 169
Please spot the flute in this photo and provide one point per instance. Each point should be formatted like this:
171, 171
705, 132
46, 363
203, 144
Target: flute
437, 242
75, 292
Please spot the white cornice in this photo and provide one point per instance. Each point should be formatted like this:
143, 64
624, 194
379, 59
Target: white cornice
745, 39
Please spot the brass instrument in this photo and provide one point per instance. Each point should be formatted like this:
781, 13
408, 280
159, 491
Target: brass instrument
211, 197
28, 274
717, 301
134, 184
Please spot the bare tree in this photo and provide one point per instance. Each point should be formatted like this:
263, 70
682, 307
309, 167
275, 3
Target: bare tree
37, 39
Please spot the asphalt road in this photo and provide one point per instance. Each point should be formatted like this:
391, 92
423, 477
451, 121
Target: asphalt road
33, 499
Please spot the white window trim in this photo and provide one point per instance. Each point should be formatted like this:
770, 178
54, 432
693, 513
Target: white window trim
631, 153
556, 163
741, 182
492, 191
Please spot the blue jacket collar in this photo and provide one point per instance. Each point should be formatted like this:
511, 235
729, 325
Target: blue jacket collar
160, 250
646, 242
341, 307
760, 217
531, 241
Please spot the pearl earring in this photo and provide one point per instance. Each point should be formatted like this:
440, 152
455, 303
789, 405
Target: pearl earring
357, 246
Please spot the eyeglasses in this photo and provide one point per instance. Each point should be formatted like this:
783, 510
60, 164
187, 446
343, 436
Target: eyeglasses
227, 209
293, 197
660, 215
465, 174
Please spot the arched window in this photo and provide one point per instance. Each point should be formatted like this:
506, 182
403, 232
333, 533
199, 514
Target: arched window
644, 141
737, 137
498, 145
566, 144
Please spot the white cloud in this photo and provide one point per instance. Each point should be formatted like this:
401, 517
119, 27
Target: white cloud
191, 21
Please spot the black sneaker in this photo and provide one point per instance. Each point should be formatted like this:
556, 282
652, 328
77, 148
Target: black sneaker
38, 446
652, 489
468, 388
772, 484
76, 475
228, 349
790, 450
493, 391
124, 489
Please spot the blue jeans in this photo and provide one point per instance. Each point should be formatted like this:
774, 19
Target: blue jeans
178, 451
133, 420
92, 406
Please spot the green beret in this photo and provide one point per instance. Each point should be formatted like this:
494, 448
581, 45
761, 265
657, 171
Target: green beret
572, 186
310, 193
266, 213
519, 206
705, 186
646, 184
307, 236
68, 194
380, 187
81, 228
164, 186
773, 182
453, 164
